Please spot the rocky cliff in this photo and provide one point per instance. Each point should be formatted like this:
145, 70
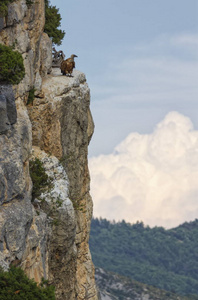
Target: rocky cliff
115, 287
47, 237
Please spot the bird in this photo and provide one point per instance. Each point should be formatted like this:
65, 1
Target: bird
68, 65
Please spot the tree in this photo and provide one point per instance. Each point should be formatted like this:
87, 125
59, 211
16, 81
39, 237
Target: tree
52, 23
4, 7
11, 65
15, 285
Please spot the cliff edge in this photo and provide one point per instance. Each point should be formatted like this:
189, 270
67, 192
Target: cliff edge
46, 236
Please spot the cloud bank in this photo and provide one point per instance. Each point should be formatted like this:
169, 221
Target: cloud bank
151, 178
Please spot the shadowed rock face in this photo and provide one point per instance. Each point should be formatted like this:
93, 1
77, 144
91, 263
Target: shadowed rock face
1, 23
8, 112
4, 123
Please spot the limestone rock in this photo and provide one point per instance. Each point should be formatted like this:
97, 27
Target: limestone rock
35, 257
59, 208
8, 113
49, 236
15, 190
23, 30
2, 22
46, 55
16, 13
4, 122
62, 126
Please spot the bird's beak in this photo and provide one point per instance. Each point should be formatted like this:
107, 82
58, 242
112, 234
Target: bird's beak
75, 55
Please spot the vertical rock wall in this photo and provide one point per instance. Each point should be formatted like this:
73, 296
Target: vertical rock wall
23, 234
48, 237
63, 126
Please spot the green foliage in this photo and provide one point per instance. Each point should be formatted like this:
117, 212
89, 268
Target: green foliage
15, 285
52, 23
41, 181
31, 96
29, 2
4, 7
166, 259
11, 65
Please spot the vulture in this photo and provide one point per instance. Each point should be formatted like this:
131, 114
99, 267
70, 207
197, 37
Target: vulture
68, 65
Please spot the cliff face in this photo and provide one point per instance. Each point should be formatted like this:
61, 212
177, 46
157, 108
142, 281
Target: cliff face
114, 287
46, 237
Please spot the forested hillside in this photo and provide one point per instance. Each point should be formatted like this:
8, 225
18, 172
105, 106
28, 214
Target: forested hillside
167, 259
116, 287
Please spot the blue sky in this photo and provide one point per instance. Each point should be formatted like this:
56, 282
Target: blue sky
140, 59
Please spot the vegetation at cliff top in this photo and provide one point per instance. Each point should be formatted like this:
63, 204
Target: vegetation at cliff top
52, 19
52, 23
41, 181
4, 7
15, 285
167, 259
11, 65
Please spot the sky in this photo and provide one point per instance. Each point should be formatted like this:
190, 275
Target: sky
140, 58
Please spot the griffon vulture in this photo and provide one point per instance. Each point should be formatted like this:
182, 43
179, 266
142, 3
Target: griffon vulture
68, 65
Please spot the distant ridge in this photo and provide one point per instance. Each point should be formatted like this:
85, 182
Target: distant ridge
166, 259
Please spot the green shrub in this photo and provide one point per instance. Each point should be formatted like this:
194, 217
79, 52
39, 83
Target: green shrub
52, 22
4, 7
29, 2
15, 285
31, 96
11, 65
41, 181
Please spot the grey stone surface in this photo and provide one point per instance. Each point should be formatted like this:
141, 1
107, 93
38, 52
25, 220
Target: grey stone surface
8, 112
46, 55
2, 24
4, 122
16, 12
45, 240
23, 30
62, 126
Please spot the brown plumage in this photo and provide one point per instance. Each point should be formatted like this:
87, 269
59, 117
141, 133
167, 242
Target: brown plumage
68, 65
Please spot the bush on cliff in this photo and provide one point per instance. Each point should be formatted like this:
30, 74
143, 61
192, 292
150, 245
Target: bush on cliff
52, 22
11, 65
4, 7
15, 285
41, 181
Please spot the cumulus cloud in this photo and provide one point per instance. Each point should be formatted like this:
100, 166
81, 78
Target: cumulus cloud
150, 177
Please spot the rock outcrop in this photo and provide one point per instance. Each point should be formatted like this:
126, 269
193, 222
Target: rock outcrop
114, 287
8, 112
47, 237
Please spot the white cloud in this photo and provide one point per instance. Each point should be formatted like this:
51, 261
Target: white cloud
150, 177
189, 41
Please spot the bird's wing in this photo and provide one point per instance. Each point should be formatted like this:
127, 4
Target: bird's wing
69, 66
63, 66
